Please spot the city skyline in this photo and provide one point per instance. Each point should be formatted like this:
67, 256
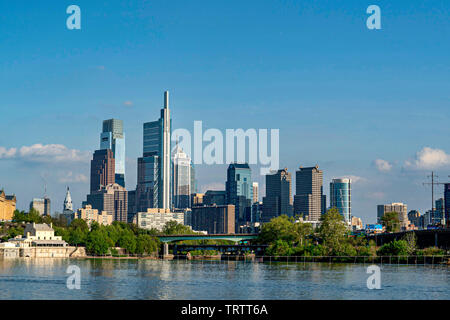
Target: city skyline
368, 106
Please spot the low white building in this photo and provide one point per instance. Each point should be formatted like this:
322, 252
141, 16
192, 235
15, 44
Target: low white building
156, 218
38, 235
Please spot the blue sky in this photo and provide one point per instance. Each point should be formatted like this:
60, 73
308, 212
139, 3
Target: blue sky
371, 104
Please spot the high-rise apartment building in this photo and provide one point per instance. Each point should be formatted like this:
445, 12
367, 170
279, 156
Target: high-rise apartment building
181, 179
43, 206
341, 197
278, 199
113, 199
447, 203
309, 200
239, 190
214, 219
255, 192
153, 188
113, 138
400, 208
102, 169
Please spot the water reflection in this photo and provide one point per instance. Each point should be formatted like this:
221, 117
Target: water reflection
180, 279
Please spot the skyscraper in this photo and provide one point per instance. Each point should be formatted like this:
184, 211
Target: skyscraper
309, 199
341, 197
153, 189
439, 212
278, 199
113, 199
400, 208
255, 192
181, 179
113, 137
102, 169
43, 206
447, 203
239, 191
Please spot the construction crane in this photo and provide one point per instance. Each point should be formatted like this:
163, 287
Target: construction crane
433, 183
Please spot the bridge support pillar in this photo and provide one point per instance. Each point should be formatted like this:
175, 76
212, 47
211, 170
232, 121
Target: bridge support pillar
436, 239
166, 249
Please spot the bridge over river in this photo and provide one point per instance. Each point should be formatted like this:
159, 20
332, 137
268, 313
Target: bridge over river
235, 237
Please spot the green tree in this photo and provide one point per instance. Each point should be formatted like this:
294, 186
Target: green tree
19, 216
127, 241
146, 244
79, 224
394, 248
280, 248
303, 232
333, 231
77, 237
391, 221
98, 242
279, 228
173, 227
411, 241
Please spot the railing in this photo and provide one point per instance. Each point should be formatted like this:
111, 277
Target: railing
389, 260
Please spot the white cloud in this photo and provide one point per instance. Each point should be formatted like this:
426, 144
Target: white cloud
71, 177
429, 158
7, 153
356, 179
382, 165
50, 153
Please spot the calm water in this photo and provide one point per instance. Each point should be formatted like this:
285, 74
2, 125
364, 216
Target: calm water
145, 279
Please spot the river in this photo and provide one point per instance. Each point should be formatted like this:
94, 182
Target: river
156, 279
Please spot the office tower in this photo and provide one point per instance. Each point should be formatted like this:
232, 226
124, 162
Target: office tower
309, 199
214, 219
197, 199
153, 189
341, 197
398, 207
113, 199
181, 179
439, 212
216, 197
132, 209
414, 218
43, 206
7, 206
239, 190
255, 192
102, 169
447, 203
113, 138
278, 199
193, 180
257, 211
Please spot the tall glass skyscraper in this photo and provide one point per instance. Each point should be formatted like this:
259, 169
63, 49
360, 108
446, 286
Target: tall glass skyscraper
341, 197
181, 179
239, 191
153, 190
113, 137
